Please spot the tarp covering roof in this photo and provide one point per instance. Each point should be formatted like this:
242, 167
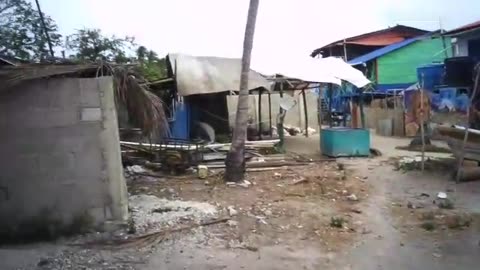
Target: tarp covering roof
320, 70
207, 75
385, 50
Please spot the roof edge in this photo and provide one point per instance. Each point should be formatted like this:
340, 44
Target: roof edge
317, 51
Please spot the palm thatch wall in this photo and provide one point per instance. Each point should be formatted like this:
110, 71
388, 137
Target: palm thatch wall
145, 109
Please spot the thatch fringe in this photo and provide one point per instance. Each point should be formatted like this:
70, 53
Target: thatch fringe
145, 109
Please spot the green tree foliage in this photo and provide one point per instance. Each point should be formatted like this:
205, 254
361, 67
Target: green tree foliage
152, 67
91, 45
21, 33
22, 36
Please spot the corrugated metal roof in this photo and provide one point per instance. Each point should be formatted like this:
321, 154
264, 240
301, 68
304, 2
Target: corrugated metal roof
382, 51
207, 75
464, 28
402, 31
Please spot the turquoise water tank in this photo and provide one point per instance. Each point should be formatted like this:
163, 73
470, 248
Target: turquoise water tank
432, 75
345, 142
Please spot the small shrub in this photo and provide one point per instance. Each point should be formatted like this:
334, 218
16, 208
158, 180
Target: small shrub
337, 222
428, 226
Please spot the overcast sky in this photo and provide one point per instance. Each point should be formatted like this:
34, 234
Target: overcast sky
284, 27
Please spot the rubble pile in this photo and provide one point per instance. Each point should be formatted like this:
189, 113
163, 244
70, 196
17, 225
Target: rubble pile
149, 212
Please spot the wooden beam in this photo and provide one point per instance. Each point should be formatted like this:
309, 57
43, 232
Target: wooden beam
260, 114
305, 111
270, 113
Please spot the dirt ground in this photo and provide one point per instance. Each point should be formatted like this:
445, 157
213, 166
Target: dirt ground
284, 221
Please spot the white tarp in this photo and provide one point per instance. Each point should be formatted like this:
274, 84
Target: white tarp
324, 70
208, 75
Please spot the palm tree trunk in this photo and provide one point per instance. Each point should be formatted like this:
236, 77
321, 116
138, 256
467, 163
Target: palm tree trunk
235, 162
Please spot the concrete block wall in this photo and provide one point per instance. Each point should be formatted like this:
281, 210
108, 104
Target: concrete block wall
60, 152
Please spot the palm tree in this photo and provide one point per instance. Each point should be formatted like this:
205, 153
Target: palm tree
235, 162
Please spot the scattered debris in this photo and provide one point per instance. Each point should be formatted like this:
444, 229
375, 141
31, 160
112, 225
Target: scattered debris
232, 223
88, 259
300, 181
442, 195
135, 169
411, 205
356, 211
261, 220
150, 212
153, 238
202, 171
352, 197
244, 184
231, 211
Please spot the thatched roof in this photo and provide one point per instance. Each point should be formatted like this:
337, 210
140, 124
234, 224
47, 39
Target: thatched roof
145, 109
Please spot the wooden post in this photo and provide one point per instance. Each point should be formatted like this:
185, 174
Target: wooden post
305, 112
330, 94
422, 131
362, 114
394, 118
281, 116
465, 138
319, 108
270, 113
260, 113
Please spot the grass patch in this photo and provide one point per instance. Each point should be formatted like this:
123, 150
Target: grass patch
428, 225
337, 222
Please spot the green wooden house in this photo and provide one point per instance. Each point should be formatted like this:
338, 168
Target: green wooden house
395, 66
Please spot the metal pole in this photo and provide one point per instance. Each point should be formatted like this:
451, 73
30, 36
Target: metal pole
45, 30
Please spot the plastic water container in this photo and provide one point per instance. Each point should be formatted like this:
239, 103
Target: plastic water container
345, 142
430, 75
